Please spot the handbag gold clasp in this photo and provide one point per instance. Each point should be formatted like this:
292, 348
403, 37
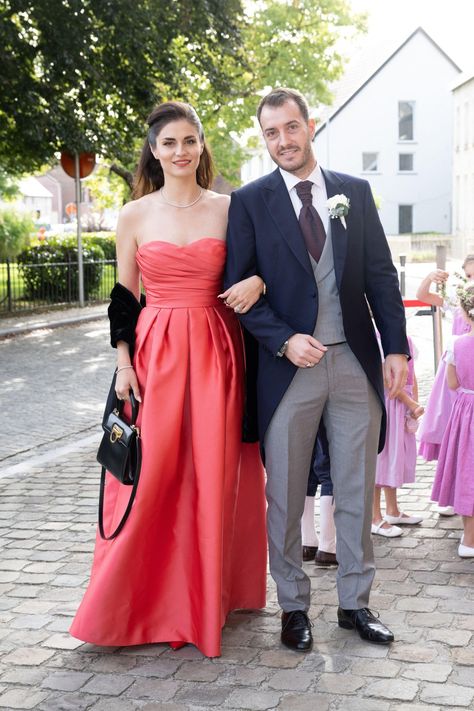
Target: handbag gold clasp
115, 433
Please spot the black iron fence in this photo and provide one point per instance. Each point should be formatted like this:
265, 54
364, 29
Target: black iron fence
27, 287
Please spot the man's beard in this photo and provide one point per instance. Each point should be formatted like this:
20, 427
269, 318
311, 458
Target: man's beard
306, 159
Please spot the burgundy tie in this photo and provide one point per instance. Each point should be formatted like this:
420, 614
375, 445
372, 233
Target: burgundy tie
310, 222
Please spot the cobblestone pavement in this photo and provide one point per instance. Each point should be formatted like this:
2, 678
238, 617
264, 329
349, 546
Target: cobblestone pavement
48, 506
53, 386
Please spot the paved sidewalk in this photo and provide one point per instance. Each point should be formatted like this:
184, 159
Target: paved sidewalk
26, 323
53, 392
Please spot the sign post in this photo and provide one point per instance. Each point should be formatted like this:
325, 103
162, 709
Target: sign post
437, 314
80, 263
78, 166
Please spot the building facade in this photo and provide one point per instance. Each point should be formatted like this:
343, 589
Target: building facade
463, 167
396, 131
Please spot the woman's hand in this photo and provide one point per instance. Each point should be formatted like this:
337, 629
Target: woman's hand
126, 381
244, 294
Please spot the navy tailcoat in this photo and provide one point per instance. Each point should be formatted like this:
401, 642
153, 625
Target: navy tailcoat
264, 238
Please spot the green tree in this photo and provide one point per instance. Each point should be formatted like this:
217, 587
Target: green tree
83, 74
8, 187
15, 231
284, 43
108, 192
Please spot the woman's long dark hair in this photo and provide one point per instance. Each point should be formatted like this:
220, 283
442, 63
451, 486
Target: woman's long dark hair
149, 174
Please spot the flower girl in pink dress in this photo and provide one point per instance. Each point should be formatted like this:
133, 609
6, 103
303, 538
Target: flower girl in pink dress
441, 399
454, 480
396, 463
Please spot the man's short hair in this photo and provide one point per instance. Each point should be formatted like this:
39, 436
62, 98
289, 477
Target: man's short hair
280, 96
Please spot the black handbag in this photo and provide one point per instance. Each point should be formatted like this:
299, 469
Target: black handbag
119, 453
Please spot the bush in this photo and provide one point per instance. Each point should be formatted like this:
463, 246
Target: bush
15, 231
50, 272
104, 240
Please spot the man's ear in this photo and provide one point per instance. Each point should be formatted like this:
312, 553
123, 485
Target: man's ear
312, 127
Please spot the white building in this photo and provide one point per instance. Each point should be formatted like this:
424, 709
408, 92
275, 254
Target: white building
395, 129
35, 199
463, 166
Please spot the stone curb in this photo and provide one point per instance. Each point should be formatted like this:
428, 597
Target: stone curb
41, 325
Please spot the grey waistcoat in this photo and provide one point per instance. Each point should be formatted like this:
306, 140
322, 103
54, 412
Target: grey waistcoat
329, 328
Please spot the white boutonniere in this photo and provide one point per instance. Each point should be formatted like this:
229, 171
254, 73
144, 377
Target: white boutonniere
338, 206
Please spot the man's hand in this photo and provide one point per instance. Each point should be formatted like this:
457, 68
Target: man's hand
395, 372
304, 351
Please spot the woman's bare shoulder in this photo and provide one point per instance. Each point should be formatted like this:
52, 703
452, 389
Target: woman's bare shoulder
218, 197
137, 205
218, 200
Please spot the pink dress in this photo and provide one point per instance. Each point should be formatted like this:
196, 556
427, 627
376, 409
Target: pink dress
454, 480
396, 463
440, 402
194, 547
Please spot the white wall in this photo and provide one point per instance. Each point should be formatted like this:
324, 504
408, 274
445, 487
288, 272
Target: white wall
369, 123
463, 169
260, 164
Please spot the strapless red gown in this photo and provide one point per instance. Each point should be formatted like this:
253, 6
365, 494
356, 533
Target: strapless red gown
194, 547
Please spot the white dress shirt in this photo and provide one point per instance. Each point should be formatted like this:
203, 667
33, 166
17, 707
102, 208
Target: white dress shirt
318, 191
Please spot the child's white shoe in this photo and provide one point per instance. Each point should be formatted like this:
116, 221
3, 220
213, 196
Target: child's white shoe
465, 551
445, 511
403, 518
391, 532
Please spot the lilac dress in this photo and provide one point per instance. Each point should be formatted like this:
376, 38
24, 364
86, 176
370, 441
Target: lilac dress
440, 402
396, 463
454, 480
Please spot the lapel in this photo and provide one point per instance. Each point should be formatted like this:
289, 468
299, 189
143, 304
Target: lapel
334, 186
275, 196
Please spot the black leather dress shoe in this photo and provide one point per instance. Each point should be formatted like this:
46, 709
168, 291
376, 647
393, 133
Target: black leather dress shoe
366, 624
296, 631
309, 553
325, 559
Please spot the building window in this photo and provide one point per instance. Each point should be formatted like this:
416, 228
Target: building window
405, 162
405, 219
406, 110
370, 162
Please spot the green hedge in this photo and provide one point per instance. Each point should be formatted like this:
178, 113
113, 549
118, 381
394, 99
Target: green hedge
49, 269
104, 240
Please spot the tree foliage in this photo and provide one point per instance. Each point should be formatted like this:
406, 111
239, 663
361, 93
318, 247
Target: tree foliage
285, 43
83, 74
15, 231
8, 187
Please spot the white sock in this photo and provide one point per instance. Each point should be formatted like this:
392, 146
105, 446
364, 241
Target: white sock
327, 529
308, 529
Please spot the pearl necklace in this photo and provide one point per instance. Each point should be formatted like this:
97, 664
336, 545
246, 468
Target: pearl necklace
175, 204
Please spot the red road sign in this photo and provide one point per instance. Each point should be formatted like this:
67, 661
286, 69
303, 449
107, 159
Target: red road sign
86, 164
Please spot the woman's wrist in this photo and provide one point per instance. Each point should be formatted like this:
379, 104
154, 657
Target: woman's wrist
122, 367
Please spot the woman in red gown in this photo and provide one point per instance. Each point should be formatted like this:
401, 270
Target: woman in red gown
194, 546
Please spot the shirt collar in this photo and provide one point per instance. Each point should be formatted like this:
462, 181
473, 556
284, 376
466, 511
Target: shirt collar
291, 180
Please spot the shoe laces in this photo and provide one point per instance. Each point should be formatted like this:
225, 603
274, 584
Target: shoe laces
371, 614
298, 617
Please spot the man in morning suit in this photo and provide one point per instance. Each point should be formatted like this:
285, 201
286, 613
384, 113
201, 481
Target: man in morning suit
317, 354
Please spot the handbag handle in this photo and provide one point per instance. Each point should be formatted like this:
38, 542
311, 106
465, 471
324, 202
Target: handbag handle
113, 403
136, 458
119, 405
